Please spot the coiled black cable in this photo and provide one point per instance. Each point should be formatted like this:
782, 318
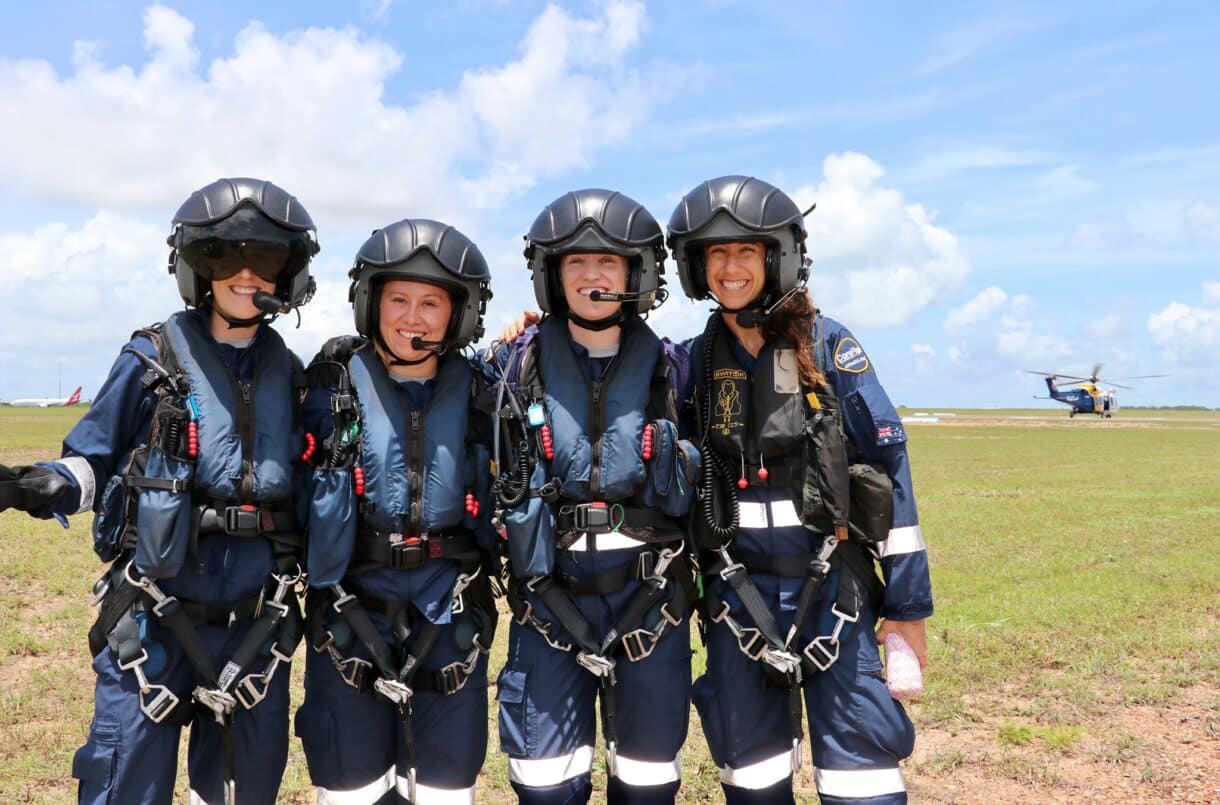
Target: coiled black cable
714, 472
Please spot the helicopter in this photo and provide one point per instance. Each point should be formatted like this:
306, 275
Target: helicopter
1083, 395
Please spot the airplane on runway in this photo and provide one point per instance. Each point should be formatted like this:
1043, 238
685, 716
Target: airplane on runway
47, 402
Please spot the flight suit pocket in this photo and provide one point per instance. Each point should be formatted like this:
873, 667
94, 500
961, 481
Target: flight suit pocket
332, 526
531, 532
94, 763
516, 731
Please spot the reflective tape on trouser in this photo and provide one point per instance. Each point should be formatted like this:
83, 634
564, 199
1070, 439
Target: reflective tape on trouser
859, 783
763, 774
429, 795
370, 792
645, 772
551, 770
906, 539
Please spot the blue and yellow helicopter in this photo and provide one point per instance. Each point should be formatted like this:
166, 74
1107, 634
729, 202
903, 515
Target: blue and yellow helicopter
1083, 395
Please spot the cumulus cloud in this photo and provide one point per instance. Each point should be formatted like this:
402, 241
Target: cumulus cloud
1189, 336
878, 259
978, 309
309, 107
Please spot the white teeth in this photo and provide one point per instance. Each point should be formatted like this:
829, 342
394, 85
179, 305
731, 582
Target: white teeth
242, 290
587, 291
734, 285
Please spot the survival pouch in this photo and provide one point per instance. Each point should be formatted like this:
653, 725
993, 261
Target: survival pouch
332, 532
872, 502
531, 531
164, 510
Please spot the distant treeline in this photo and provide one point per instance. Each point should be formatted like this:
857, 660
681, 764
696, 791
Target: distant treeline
1169, 408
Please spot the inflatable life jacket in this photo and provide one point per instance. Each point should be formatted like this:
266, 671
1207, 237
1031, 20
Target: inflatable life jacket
220, 453
399, 485
588, 470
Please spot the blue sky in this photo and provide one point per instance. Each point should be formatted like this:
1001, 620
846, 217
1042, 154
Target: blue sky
999, 186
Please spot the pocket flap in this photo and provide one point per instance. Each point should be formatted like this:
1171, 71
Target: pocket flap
314, 727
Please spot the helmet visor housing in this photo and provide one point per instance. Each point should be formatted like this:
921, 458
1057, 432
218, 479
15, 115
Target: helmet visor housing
246, 239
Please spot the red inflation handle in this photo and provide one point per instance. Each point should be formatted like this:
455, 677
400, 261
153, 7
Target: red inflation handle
649, 435
548, 447
472, 505
358, 478
192, 439
311, 447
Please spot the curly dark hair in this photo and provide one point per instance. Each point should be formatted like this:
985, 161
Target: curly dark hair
794, 322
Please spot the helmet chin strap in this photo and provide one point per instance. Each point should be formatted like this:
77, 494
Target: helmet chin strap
599, 325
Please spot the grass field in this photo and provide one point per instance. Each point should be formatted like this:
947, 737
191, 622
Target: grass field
1075, 652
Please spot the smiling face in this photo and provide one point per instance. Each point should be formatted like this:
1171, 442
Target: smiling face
234, 296
736, 272
410, 309
584, 272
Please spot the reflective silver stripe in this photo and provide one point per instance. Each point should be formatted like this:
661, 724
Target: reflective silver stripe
645, 772
907, 539
783, 513
195, 799
551, 770
78, 467
427, 795
858, 783
611, 541
763, 774
359, 796
752, 515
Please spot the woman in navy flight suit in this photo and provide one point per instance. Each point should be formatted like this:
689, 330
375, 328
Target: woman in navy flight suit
593, 479
187, 457
792, 598
400, 549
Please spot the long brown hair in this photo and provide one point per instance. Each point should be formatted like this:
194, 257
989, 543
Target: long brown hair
794, 322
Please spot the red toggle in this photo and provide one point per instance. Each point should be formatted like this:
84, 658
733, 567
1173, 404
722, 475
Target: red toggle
648, 437
358, 478
311, 447
192, 439
742, 483
548, 448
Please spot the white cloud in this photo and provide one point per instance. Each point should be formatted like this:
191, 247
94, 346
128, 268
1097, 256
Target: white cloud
1203, 222
978, 309
950, 162
309, 109
1106, 327
1189, 336
978, 37
877, 259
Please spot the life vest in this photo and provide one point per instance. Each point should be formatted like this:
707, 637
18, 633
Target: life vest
595, 433
772, 430
219, 456
416, 468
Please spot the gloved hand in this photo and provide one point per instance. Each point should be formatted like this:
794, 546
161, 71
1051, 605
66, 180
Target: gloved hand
31, 489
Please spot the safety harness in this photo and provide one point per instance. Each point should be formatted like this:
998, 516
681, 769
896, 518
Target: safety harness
803, 426
338, 617
126, 597
666, 591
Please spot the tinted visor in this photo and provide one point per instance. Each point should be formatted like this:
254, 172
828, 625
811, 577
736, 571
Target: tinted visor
246, 239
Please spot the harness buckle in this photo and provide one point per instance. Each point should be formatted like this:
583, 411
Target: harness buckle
639, 644
157, 707
243, 521
253, 688
392, 689
596, 664
591, 518
353, 670
340, 403
822, 651
407, 553
220, 702
453, 677
785, 662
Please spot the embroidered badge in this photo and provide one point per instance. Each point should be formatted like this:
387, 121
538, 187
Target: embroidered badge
850, 357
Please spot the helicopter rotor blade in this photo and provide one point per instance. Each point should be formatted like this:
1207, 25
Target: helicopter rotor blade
1096, 368
1140, 377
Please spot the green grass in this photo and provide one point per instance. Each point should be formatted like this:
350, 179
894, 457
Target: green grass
1074, 568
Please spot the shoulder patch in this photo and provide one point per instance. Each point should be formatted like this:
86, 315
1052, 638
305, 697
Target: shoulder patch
850, 357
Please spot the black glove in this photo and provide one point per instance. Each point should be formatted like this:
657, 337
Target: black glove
31, 489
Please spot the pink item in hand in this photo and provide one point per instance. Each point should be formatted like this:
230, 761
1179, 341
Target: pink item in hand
902, 674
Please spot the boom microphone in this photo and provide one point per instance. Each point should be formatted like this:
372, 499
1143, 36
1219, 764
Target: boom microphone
753, 317
438, 347
270, 303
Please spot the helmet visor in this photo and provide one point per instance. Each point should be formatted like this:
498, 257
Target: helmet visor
215, 259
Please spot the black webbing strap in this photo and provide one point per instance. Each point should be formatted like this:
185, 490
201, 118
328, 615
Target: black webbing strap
645, 524
603, 583
393, 550
573, 622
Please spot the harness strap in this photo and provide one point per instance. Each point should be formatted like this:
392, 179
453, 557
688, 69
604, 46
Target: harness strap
399, 552
645, 524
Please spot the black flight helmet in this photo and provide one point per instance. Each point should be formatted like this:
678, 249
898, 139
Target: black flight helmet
243, 223
424, 251
739, 208
595, 220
